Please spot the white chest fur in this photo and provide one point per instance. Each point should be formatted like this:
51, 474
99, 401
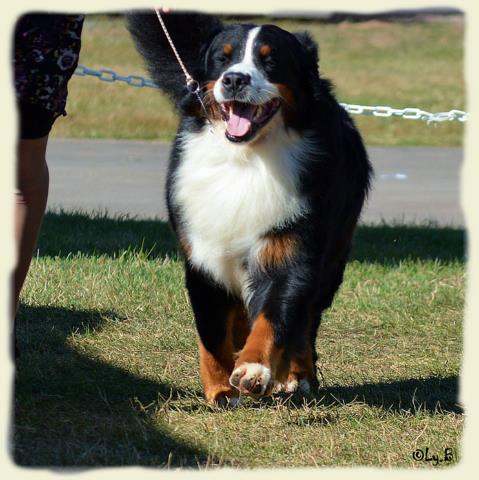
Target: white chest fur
230, 195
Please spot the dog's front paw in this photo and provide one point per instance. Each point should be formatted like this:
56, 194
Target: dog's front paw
222, 396
292, 385
252, 379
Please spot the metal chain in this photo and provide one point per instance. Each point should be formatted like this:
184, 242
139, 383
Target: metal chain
409, 113
111, 76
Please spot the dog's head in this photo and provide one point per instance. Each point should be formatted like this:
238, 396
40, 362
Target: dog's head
258, 78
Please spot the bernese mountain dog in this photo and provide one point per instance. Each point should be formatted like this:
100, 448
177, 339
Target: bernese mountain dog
265, 187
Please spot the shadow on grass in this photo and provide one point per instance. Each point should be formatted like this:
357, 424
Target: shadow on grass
390, 244
432, 395
66, 233
71, 410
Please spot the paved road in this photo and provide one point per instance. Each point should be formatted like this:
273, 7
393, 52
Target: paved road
127, 177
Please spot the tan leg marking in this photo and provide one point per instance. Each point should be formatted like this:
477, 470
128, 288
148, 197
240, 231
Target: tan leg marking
301, 373
260, 362
216, 367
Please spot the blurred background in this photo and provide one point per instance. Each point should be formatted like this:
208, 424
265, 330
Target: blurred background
391, 59
407, 58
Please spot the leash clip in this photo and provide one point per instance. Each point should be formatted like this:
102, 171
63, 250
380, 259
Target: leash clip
193, 86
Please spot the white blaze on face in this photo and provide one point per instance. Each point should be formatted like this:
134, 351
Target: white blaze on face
247, 64
260, 89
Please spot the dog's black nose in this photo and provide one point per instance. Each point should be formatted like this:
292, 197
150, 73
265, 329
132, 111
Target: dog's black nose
235, 81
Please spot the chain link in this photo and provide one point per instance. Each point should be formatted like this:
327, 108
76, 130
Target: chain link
111, 76
409, 113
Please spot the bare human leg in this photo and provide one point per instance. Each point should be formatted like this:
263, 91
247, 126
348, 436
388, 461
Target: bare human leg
30, 203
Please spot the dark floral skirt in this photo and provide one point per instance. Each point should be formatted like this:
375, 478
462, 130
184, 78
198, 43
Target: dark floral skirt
46, 51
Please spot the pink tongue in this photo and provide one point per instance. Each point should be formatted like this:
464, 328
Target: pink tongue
239, 122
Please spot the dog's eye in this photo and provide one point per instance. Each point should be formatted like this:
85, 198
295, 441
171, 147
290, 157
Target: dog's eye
222, 59
269, 62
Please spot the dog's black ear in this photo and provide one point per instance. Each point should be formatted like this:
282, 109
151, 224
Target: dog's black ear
309, 45
320, 88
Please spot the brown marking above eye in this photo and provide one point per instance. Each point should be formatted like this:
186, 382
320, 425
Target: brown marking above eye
264, 50
227, 49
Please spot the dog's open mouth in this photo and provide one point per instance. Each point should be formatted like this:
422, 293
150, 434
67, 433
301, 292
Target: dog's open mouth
243, 120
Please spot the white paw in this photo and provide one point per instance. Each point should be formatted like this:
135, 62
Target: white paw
292, 386
251, 378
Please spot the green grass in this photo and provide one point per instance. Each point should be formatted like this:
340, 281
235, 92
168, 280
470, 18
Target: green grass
108, 373
371, 63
